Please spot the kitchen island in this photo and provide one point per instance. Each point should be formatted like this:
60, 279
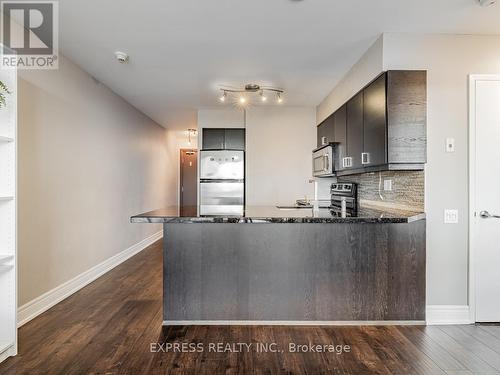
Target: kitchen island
293, 266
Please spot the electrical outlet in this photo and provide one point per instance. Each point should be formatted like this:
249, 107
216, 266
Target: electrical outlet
388, 185
450, 216
450, 144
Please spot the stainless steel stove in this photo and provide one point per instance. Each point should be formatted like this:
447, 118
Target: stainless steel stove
344, 199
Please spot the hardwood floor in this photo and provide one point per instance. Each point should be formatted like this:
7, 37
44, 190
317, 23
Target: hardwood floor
109, 327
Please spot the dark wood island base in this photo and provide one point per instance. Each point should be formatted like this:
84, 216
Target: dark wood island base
299, 266
294, 273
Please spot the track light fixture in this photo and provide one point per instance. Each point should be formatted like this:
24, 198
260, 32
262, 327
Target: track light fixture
243, 96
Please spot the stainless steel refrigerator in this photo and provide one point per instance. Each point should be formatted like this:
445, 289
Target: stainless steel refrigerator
222, 182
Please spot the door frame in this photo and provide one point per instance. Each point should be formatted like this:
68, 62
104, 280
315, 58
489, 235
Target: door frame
473, 79
179, 176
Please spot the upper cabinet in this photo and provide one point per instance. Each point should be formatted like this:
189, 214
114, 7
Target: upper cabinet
375, 123
213, 139
407, 116
383, 127
354, 132
340, 136
235, 139
223, 139
325, 133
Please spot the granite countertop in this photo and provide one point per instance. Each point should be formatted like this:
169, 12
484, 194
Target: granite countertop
272, 214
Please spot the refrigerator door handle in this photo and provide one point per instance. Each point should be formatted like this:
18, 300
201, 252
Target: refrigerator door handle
217, 181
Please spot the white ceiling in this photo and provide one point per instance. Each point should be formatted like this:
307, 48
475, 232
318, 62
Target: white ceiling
181, 50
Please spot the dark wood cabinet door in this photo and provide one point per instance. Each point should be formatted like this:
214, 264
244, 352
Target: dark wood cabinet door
325, 131
320, 133
407, 116
375, 123
235, 139
340, 136
213, 139
355, 131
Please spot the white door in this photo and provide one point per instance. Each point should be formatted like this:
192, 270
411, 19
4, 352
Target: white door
485, 172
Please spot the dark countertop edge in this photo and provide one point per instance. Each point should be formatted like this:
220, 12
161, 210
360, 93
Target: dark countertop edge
277, 220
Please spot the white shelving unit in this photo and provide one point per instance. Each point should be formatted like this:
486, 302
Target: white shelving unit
8, 218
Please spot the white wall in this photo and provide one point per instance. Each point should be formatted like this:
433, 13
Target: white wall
279, 146
221, 118
449, 59
366, 69
87, 162
177, 139
279, 141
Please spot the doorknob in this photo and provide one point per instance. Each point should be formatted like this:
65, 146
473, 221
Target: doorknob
487, 215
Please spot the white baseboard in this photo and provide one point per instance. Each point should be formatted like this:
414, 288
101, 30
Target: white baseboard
44, 302
447, 314
9, 352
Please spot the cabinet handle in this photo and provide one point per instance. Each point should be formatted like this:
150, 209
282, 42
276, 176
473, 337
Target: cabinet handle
365, 158
327, 163
347, 162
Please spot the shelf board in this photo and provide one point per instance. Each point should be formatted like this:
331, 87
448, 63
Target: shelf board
6, 139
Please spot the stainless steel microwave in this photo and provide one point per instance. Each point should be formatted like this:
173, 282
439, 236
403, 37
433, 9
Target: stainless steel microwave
322, 161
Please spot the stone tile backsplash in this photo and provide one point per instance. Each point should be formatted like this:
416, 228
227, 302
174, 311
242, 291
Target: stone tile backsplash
408, 189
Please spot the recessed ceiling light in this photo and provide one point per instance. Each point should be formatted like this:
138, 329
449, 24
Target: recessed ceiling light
486, 3
122, 57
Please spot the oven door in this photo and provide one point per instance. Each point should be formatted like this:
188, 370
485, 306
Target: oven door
322, 162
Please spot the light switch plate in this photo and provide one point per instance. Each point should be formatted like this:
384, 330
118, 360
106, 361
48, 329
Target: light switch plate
388, 185
450, 216
450, 144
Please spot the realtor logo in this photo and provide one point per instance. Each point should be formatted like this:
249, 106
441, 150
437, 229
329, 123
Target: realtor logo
29, 34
